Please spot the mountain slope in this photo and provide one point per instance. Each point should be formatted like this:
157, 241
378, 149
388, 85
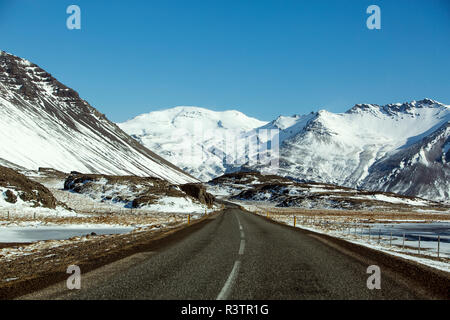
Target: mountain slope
45, 124
198, 140
421, 168
358, 148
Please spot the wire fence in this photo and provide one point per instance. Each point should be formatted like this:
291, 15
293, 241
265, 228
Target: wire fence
82, 206
413, 242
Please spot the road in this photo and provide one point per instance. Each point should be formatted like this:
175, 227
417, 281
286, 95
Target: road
238, 255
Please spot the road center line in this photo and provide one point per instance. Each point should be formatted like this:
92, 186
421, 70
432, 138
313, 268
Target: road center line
225, 292
239, 222
240, 228
242, 247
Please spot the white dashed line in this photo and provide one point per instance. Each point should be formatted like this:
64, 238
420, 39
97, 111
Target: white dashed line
242, 247
239, 222
224, 293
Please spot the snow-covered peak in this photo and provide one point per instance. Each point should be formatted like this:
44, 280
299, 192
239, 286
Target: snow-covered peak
398, 109
290, 125
343, 148
283, 122
187, 117
393, 125
29, 80
429, 102
196, 139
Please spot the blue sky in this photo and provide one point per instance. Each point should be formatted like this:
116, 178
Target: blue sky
264, 58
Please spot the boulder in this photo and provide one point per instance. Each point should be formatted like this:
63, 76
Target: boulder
198, 191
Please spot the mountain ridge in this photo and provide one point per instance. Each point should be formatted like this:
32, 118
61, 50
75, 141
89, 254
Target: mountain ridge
44, 123
341, 148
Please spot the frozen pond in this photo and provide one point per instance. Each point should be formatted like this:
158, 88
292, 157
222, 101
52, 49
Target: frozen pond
32, 234
412, 231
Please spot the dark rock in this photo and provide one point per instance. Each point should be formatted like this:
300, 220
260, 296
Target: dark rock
29, 191
10, 196
151, 189
144, 200
198, 191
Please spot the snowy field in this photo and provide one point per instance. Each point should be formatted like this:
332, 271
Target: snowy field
396, 237
86, 204
28, 224
78, 215
60, 232
19, 211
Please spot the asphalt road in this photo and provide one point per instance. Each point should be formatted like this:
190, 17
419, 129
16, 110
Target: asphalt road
238, 255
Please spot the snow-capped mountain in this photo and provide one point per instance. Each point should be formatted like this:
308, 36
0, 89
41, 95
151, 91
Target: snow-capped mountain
421, 168
198, 140
402, 147
43, 123
397, 147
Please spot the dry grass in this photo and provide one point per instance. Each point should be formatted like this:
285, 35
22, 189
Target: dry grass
356, 215
112, 219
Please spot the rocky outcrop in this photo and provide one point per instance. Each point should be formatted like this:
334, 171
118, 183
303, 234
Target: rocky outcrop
198, 191
19, 186
133, 191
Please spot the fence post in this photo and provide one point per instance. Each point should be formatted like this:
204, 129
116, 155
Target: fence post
439, 244
189, 218
379, 235
295, 220
419, 245
403, 246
